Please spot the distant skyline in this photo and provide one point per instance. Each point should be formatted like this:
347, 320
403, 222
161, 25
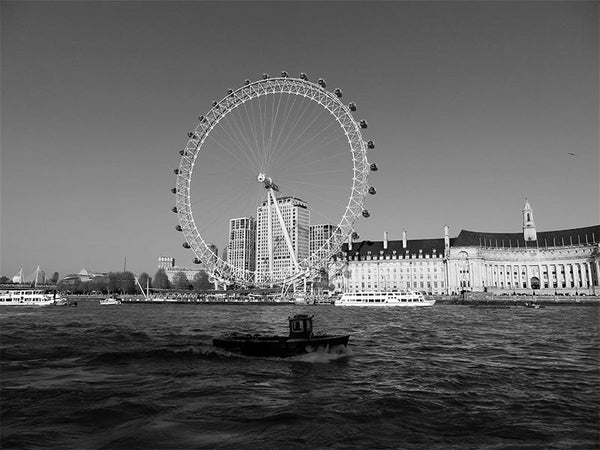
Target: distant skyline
474, 106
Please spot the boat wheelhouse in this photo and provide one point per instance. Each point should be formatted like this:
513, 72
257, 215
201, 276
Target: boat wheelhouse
394, 298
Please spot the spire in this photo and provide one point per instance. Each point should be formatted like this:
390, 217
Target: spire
529, 232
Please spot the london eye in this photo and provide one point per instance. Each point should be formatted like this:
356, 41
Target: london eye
280, 157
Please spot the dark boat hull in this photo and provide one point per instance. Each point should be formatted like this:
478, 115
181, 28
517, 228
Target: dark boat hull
278, 346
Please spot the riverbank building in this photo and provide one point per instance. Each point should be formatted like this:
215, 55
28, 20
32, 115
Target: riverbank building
559, 262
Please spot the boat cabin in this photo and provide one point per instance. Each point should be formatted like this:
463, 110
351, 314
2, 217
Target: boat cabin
301, 326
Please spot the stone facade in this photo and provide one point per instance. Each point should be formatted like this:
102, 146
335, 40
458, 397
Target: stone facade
552, 262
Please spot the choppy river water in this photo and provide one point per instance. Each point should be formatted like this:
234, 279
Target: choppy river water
147, 377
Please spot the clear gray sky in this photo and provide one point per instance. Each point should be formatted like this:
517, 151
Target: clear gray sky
473, 106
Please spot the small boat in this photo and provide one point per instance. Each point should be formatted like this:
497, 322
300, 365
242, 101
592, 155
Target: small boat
533, 304
300, 340
111, 301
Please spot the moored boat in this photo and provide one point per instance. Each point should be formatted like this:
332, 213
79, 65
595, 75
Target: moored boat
393, 298
111, 301
29, 297
300, 340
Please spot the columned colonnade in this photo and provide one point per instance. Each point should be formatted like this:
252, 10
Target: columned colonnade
550, 275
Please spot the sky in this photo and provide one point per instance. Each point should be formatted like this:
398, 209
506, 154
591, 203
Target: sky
474, 106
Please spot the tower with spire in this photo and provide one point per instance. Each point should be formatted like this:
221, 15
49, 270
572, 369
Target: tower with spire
529, 233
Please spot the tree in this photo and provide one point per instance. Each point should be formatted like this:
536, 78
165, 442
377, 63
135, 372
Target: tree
127, 283
112, 284
161, 280
144, 280
99, 284
4, 280
180, 281
54, 278
201, 281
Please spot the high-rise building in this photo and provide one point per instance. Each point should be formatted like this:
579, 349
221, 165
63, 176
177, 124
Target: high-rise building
320, 238
296, 219
321, 244
241, 249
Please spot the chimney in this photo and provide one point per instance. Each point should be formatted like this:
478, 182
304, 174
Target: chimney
446, 237
385, 240
404, 239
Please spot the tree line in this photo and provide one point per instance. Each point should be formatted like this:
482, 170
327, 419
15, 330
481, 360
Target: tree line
124, 283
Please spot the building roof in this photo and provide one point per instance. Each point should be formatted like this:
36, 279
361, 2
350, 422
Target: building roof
412, 246
558, 238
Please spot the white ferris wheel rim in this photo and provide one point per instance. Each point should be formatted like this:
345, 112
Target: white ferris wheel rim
217, 267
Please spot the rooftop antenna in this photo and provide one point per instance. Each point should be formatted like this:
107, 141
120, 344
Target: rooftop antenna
125, 265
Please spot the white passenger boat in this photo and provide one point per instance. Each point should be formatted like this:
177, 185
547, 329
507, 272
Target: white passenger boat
29, 297
111, 301
394, 298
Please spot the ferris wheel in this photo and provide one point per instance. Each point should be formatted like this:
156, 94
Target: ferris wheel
280, 176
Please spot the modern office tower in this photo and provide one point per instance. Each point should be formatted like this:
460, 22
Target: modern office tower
241, 249
215, 250
166, 262
320, 238
321, 244
274, 260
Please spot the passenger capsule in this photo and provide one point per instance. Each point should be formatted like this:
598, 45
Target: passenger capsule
338, 93
246, 81
197, 261
355, 235
265, 76
363, 124
365, 213
186, 245
174, 209
372, 190
229, 91
176, 171
181, 152
215, 103
322, 82
374, 167
201, 118
284, 74
371, 144
190, 134
303, 76
178, 228
174, 190
352, 106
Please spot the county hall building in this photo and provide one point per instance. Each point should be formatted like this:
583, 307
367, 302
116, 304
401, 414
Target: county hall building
552, 262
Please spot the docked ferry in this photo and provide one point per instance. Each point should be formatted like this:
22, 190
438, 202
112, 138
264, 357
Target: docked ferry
28, 297
395, 298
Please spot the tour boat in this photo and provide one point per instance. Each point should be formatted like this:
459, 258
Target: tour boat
28, 297
394, 298
111, 301
300, 340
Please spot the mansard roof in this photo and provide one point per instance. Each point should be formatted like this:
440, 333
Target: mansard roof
412, 246
558, 238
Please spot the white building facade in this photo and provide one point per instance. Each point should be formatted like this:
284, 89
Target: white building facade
296, 219
241, 248
551, 262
